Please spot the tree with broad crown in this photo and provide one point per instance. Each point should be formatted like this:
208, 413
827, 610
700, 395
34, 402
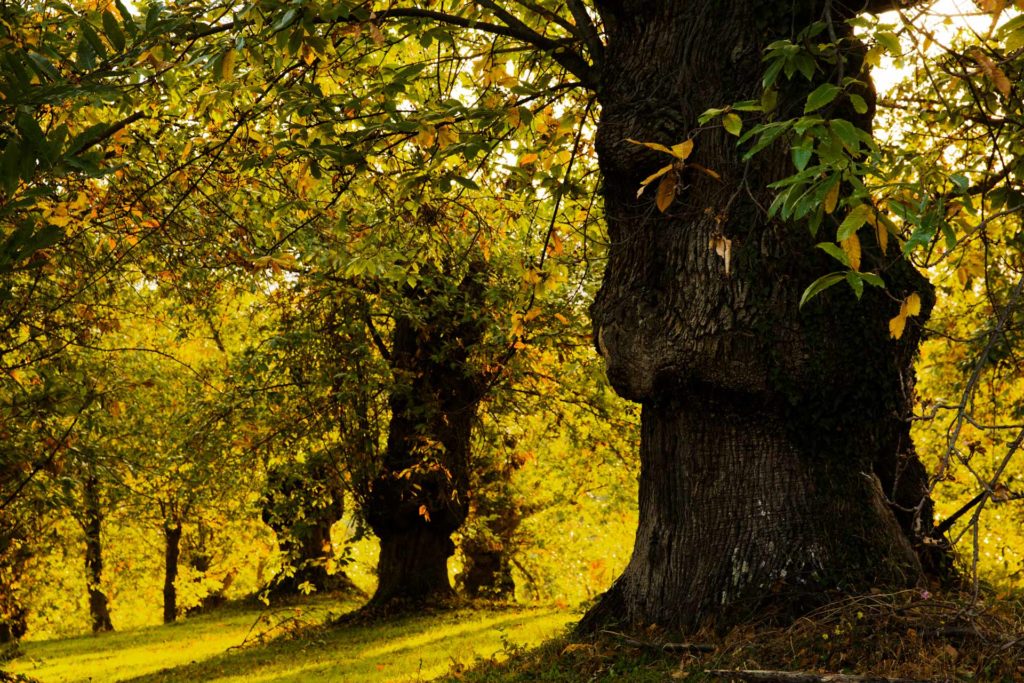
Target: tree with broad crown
775, 453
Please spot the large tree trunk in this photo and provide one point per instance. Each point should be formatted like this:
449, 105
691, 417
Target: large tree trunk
172, 551
93, 526
772, 437
421, 495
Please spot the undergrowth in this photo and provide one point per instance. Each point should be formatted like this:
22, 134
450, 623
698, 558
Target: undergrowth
909, 634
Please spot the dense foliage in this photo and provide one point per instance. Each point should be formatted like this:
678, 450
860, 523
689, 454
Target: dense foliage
220, 222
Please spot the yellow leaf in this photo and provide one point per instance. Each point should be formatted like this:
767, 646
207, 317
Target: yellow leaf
1002, 83
375, 33
913, 304
513, 117
425, 137
992, 72
561, 318
227, 65
682, 150
882, 234
896, 326
851, 247
527, 159
732, 123
652, 145
666, 192
706, 170
531, 314
963, 275
446, 135
831, 199
995, 7
874, 55
654, 176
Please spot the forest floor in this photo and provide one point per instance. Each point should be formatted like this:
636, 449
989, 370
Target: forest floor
256, 644
908, 635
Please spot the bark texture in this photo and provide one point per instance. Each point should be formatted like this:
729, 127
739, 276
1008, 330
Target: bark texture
421, 495
93, 527
772, 437
172, 552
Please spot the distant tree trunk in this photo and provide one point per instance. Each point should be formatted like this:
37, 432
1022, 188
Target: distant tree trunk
301, 504
488, 570
421, 496
14, 556
93, 525
771, 436
172, 552
488, 544
200, 559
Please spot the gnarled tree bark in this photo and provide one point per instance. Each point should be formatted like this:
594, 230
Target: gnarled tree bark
775, 456
421, 495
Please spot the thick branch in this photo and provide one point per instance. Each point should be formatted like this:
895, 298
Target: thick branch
560, 52
587, 29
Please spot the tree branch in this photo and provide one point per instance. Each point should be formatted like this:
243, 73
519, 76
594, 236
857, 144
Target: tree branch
108, 132
588, 30
560, 52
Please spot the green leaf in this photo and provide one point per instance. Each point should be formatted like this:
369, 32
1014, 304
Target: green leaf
859, 105
835, 251
822, 95
286, 20
801, 157
872, 279
820, 285
112, 29
857, 217
846, 132
856, 283
85, 55
126, 17
768, 134
466, 183
890, 42
93, 39
10, 165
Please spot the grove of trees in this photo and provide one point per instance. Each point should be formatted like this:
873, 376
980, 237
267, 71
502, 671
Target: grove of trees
503, 282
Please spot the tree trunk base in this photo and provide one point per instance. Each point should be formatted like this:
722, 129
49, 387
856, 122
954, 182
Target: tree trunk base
413, 569
737, 522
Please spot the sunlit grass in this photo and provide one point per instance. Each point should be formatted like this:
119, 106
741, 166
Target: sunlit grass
415, 648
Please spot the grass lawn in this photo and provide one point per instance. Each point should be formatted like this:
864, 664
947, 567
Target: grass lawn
289, 644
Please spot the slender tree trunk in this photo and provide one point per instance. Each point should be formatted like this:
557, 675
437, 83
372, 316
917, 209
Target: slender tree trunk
771, 436
98, 607
172, 552
15, 554
422, 494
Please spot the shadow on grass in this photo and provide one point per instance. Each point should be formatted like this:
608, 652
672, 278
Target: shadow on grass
123, 654
412, 648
